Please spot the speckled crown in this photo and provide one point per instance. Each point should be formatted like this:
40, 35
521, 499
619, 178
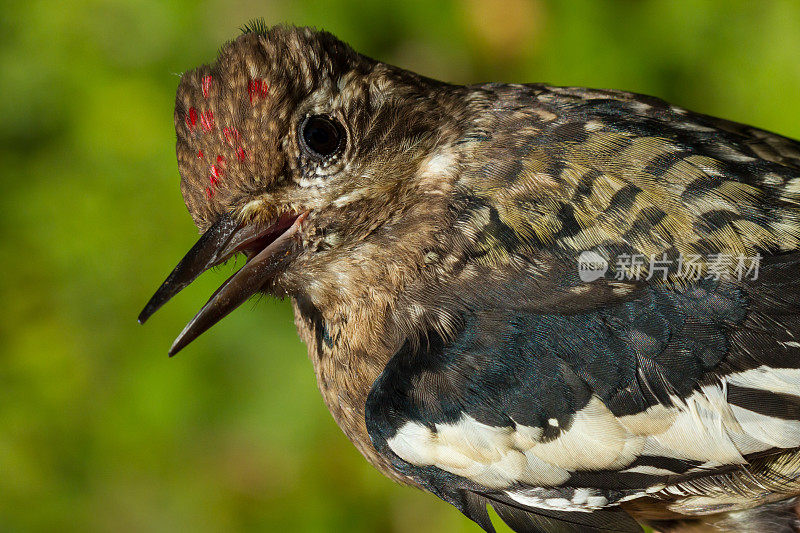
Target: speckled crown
231, 117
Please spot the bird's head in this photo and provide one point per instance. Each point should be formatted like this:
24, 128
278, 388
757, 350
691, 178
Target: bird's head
327, 169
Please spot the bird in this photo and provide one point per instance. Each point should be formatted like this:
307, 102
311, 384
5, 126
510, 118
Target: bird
576, 306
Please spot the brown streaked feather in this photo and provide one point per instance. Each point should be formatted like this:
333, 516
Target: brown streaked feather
643, 186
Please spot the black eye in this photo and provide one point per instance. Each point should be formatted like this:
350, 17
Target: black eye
321, 136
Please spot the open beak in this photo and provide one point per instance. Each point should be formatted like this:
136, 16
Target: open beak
269, 248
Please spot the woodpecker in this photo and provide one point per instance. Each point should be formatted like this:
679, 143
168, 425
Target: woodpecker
577, 306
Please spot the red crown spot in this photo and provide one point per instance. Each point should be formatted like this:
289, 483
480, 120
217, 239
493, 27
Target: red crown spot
191, 118
257, 89
216, 174
200, 154
209, 193
220, 159
240, 153
231, 135
206, 85
207, 120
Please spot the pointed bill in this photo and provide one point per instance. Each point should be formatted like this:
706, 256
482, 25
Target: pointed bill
203, 255
239, 287
269, 248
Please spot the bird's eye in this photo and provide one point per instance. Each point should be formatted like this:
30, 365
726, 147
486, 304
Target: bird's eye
321, 136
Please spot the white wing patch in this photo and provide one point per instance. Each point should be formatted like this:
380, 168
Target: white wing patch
580, 500
699, 430
703, 427
785, 380
497, 457
596, 440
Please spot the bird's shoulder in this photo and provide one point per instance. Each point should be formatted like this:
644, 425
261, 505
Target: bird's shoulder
573, 169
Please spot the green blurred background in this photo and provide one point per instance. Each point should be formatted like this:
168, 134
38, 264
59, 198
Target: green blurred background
99, 430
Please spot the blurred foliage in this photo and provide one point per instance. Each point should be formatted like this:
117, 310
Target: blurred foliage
99, 430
